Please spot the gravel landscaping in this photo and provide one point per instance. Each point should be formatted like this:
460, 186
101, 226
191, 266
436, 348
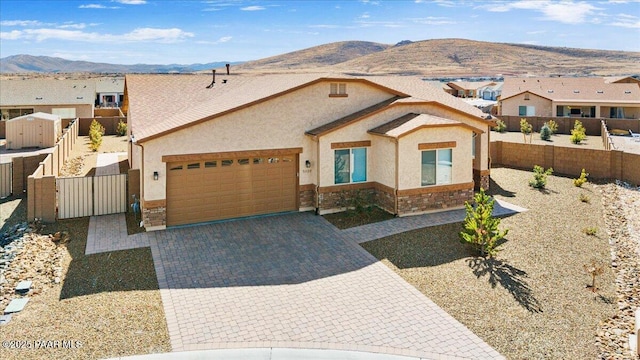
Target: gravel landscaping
106, 304
591, 142
82, 161
532, 301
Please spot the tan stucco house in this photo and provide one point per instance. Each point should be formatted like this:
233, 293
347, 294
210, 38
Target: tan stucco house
68, 99
593, 97
257, 144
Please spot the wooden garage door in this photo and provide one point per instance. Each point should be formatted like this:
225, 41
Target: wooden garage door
199, 191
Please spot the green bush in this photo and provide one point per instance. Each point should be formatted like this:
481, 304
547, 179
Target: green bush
578, 133
591, 231
480, 228
545, 132
121, 129
500, 126
584, 198
540, 177
526, 129
581, 180
553, 126
96, 130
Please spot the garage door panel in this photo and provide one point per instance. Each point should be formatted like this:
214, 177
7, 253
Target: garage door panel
199, 191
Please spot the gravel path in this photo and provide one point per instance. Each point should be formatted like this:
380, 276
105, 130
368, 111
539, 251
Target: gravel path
532, 301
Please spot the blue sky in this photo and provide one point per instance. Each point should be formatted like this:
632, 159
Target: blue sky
185, 32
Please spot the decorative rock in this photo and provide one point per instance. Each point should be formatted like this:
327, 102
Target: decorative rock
16, 305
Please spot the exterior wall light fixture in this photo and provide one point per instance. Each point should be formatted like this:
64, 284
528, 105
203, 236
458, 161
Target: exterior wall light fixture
155, 175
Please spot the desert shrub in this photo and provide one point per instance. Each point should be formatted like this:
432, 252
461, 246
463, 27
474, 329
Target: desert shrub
526, 129
540, 177
591, 231
545, 132
96, 130
553, 126
578, 133
121, 129
584, 198
581, 180
500, 126
480, 228
594, 269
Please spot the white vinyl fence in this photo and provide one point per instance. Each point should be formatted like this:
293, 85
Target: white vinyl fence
88, 196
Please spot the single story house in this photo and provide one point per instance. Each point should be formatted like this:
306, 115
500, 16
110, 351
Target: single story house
592, 97
469, 89
109, 92
68, 99
34, 130
240, 145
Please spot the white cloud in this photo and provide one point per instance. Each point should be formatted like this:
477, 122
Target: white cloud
10, 35
536, 32
433, 20
252, 8
626, 21
222, 40
95, 6
137, 35
568, 12
79, 26
20, 23
365, 16
325, 26
158, 35
132, 2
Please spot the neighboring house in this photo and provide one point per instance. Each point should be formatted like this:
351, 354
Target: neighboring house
572, 97
490, 92
442, 86
109, 92
469, 89
68, 99
257, 144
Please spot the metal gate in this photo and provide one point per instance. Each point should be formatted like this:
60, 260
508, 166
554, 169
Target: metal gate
88, 196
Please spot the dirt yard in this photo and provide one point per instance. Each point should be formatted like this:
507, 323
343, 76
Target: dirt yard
82, 161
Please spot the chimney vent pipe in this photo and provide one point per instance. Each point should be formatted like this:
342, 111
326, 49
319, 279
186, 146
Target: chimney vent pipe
228, 68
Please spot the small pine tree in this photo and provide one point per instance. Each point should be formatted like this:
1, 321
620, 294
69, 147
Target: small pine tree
96, 130
526, 129
500, 126
553, 126
540, 177
121, 129
581, 180
545, 132
480, 228
578, 133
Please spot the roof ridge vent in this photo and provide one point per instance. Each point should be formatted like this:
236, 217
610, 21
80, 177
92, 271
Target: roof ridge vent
576, 91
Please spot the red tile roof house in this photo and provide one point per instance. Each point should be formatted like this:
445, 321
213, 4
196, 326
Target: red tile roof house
592, 97
258, 144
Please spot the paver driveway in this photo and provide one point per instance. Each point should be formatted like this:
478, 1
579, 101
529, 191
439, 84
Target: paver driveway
295, 281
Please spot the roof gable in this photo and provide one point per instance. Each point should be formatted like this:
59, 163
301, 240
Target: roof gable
412, 122
38, 115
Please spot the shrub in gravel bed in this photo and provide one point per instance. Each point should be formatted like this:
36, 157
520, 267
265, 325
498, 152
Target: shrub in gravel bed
540, 177
480, 228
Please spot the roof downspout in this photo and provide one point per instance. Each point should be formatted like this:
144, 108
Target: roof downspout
395, 210
317, 190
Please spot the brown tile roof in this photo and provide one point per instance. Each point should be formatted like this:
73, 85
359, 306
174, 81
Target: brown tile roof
336, 124
158, 104
411, 122
573, 89
16, 92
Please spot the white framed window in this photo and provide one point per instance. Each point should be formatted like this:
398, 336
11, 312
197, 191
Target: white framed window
338, 89
350, 165
436, 167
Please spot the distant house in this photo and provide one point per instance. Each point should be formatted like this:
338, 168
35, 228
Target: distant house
68, 99
491, 91
109, 92
617, 98
469, 89
256, 144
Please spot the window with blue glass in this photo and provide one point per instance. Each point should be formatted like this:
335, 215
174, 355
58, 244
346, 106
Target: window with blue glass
350, 165
436, 167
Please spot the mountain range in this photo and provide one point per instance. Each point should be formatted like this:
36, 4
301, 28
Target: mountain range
435, 58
